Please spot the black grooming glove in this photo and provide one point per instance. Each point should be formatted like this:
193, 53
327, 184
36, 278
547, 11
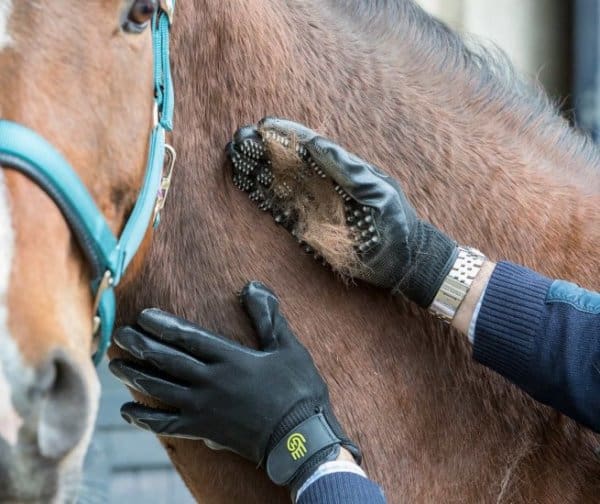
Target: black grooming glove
270, 405
400, 251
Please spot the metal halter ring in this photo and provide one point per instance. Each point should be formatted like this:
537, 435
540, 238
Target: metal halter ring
165, 183
106, 283
168, 6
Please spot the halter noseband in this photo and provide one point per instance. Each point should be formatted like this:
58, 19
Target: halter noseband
24, 150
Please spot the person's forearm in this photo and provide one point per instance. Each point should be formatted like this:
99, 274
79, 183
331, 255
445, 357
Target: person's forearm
540, 334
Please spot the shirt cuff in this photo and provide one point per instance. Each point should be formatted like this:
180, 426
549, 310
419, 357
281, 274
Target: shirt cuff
335, 466
473, 324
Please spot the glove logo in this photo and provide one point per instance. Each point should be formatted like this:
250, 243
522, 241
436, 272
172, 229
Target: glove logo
296, 445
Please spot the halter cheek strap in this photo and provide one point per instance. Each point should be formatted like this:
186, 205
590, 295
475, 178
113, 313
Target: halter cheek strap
24, 150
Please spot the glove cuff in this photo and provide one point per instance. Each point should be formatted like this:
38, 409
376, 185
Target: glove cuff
433, 254
308, 437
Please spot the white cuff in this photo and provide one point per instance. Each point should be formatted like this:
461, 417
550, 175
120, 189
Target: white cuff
335, 466
473, 324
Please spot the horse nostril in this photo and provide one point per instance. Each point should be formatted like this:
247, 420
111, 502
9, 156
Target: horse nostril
64, 406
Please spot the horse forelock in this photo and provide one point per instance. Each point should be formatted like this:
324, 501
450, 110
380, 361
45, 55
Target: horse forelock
5, 13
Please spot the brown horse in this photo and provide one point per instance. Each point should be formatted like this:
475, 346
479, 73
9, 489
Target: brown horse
70, 71
481, 154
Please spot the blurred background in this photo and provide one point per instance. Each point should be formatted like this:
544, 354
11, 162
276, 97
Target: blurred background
554, 41
536, 34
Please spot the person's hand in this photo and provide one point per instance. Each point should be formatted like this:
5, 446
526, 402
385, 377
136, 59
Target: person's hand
270, 405
398, 250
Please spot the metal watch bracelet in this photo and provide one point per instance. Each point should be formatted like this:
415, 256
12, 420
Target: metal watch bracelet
457, 284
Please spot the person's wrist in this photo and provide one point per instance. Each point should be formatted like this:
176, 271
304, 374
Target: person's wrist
312, 465
345, 456
306, 438
344, 463
464, 316
461, 282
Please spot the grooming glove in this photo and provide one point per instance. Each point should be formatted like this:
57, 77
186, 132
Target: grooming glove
396, 250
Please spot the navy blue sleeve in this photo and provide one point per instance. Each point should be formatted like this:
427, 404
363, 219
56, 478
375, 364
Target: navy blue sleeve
342, 488
544, 336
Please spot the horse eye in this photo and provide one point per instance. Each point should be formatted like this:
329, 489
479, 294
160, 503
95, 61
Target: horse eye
139, 15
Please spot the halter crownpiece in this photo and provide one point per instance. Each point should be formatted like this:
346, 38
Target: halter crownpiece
24, 150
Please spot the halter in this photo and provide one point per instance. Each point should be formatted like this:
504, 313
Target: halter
24, 150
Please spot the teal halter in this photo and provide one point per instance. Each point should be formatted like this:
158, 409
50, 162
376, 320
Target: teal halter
25, 151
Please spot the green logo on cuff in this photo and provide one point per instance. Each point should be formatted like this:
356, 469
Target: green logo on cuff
296, 445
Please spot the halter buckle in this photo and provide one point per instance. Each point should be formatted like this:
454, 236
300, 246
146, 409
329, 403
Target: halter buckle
168, 7
165, 183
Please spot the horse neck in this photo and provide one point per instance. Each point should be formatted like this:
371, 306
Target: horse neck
489, 160
479, 152
487, 169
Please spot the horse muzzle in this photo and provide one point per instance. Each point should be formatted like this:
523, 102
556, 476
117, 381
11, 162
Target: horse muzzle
47, 419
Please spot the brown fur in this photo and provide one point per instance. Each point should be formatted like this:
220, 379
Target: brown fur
481, 155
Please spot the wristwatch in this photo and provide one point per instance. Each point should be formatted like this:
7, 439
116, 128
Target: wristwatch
457, 284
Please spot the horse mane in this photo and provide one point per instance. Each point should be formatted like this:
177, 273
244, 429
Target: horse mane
491, 76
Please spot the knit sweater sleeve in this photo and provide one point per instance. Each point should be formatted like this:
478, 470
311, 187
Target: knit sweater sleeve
544, 336
342, 488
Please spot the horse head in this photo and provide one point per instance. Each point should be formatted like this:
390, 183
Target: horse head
79, 74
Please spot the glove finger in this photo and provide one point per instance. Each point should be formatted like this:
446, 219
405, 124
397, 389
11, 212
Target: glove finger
164, 423
169, 359
151, 419
288, 129
150, 382
198, 342
262, 306
363, 182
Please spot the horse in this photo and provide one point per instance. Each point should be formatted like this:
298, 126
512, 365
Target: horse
481, 153
80, 74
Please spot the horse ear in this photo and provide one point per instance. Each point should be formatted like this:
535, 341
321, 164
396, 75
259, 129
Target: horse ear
262, 306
